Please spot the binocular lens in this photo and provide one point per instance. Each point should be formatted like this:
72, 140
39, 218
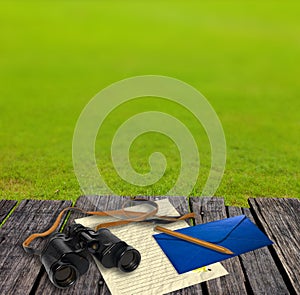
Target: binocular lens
129, 260
65, 276
65, 256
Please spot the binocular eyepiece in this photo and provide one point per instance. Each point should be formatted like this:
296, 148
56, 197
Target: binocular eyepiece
65, 256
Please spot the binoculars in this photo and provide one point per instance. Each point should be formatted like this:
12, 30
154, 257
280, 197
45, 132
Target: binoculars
65, 256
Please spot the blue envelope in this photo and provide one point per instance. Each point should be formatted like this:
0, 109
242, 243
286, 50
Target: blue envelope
237, 233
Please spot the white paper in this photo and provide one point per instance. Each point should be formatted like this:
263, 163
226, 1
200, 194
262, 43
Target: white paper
155, 274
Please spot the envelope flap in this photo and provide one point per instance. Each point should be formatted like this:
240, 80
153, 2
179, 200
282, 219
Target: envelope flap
214, 232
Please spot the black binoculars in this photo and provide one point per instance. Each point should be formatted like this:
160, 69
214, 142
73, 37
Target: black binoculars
65, 256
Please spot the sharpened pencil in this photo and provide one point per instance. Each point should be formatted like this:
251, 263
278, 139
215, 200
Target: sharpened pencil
187, 238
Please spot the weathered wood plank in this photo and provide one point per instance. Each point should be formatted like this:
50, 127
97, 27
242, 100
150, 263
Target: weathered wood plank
260, 270
18, 270
210, 209
280, 219
5, 207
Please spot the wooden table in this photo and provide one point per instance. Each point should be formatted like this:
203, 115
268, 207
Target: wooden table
270, 270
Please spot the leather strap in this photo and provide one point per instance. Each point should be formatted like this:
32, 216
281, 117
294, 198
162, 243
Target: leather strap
129, 215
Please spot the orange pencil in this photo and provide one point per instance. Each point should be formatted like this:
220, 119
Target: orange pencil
194, 240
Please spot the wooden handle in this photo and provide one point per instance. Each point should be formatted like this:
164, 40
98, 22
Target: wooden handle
194, 240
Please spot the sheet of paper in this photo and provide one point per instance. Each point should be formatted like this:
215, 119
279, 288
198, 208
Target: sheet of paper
155, 274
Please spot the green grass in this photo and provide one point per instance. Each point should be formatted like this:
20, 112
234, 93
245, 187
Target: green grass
243, 56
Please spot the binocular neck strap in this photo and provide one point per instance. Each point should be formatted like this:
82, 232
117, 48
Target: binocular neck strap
131, 216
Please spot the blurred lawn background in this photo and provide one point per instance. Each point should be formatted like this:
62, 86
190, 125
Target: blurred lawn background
243, 56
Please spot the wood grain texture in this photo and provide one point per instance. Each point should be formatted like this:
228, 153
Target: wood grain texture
254, 272
280, 219
19, 270
260, 270
210, 209
5, 207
